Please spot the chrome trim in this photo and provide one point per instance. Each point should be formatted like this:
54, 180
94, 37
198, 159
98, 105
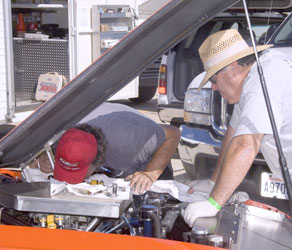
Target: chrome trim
198, 136
222, 127
223, 116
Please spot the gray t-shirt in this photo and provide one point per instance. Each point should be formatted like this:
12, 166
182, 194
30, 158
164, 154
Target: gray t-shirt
250, 115
132, 137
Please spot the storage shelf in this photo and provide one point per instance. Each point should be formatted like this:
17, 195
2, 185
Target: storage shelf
116, 15
114, 32
38, 6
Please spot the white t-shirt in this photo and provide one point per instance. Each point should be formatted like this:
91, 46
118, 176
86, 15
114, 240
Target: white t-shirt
250, 115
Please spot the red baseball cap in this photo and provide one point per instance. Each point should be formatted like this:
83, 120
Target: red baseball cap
75, 152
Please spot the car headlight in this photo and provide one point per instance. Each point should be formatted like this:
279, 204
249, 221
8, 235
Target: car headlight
197, 106
198, 101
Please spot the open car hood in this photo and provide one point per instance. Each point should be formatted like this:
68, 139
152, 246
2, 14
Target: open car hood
112, 71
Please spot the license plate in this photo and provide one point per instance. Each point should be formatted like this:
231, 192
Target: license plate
273, 187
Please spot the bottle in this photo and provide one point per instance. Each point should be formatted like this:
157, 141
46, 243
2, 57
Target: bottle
20, 27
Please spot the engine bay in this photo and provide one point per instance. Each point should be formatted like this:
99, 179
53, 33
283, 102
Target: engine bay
156, 215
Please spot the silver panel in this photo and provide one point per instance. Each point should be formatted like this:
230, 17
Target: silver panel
35, 57
35, 197
263, 232
253, 228
247, 227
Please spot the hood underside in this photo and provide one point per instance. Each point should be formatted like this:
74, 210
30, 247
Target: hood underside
265, 4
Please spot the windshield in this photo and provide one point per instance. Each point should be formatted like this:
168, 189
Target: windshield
283, 37
261, 28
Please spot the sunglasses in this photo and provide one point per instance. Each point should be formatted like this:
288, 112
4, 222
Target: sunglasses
213, 77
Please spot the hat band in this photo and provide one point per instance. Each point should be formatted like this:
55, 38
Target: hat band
226, 53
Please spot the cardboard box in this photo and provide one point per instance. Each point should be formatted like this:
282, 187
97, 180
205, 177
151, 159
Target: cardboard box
104, 28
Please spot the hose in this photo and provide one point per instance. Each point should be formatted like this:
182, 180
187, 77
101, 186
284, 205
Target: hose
92, 224
132, 232
168, 220
156, 225
116, 227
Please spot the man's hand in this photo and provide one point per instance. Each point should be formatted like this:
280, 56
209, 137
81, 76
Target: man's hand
199, 209
141, 181
204, 186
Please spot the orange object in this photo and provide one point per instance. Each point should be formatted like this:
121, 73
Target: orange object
15, 174
15, 237
20, 23
20, 27
162, 84
264, 206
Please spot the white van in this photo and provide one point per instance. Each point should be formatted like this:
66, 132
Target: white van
182, 63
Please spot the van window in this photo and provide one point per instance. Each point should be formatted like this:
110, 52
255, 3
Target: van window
223, 25
284, 37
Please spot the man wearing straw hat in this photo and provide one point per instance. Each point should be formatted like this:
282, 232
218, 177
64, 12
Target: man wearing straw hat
231, 68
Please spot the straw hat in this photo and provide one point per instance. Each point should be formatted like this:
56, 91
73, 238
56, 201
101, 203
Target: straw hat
221, 49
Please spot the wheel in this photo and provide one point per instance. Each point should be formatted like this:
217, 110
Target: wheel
5, 129
145, 94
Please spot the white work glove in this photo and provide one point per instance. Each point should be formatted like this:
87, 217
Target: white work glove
197, 210
204, 186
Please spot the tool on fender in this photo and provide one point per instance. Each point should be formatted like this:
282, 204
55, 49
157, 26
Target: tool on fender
96, 182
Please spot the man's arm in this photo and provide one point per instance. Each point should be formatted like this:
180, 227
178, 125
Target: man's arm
225, 144
206, 185
162, 156
160, 159
237, 159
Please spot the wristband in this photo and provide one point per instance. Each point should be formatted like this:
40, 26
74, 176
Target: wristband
148, 177
214, 203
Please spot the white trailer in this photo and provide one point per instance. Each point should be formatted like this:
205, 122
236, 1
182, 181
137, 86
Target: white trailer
22, 60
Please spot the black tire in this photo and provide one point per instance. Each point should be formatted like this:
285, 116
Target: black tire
5, 129
145, 94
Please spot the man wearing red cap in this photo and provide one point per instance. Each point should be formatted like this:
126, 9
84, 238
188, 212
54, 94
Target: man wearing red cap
120, 138
75, 152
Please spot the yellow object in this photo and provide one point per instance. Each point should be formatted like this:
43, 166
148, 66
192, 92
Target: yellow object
94, 182
51, 222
